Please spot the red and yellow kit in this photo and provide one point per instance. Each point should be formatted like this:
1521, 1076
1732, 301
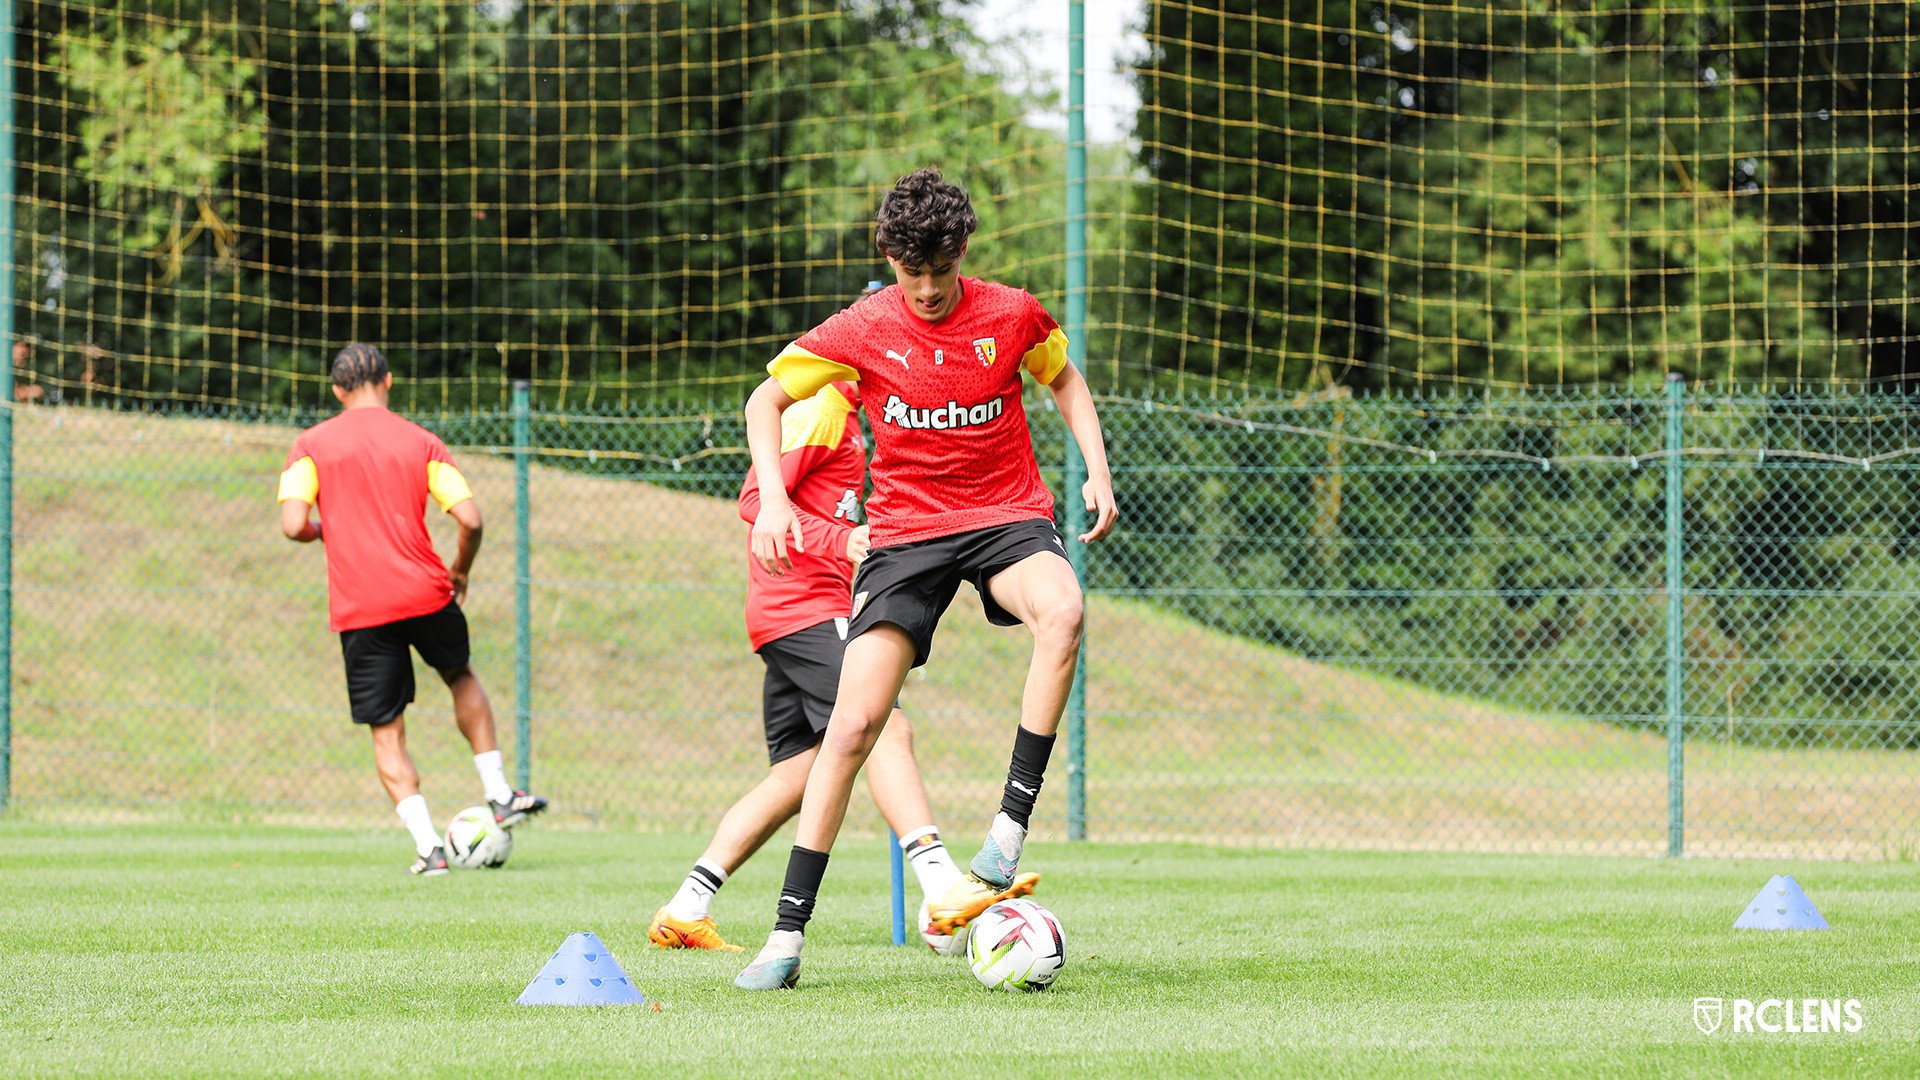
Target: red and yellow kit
951, 450
370, 473
823, 464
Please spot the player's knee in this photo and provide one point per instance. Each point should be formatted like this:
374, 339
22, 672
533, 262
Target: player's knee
850, 735
1059, 622
787, 793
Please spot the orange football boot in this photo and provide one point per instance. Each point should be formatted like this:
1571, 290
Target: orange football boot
969, 897
671, 933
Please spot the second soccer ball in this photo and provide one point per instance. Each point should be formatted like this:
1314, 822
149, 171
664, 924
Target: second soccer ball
954, 944
475, 840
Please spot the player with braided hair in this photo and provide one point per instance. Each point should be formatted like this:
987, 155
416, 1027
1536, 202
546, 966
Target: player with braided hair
370, 473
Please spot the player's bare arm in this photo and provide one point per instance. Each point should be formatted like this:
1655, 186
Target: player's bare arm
777, 523
466, 514
1075, 402
295, 522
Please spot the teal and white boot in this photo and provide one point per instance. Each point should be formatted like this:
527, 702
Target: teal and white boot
778, 965
999, 857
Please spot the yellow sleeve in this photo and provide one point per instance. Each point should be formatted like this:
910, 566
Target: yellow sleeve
301, 481
446, 485
820, 420
1046, 359
801, 373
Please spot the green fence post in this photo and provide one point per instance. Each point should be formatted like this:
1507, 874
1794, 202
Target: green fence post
1077, 356
6, 403
522, 614
1676, 620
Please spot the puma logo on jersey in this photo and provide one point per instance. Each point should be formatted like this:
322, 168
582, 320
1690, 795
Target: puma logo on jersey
848, 507
891, 355
952, 415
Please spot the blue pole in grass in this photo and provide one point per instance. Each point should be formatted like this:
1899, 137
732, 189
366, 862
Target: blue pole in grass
6, 403
1076, 472
899, 873
1676, 619
522, 606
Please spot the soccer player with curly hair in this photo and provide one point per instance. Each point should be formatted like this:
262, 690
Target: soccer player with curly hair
797, 623
957, 496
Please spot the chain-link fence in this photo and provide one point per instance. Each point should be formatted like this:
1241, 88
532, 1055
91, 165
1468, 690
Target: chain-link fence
1394, 622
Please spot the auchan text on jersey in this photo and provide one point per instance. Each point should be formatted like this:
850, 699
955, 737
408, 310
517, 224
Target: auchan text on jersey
953, 415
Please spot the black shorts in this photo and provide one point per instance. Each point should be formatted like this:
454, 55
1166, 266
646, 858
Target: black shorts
379, 671
803, 678
910, 585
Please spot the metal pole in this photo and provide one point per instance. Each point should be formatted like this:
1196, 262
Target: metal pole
1676, 623
522, 611
898, 871
6, 403
1077, 356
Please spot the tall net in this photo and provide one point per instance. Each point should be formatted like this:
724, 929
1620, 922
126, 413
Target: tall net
620, 202
1443, 195
1383, 304
1385, 623
635, 202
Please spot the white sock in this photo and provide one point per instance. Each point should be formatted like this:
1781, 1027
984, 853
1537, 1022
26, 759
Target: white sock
930, 861
695, 898
781, 944
493, 775
1009, 834
413, 814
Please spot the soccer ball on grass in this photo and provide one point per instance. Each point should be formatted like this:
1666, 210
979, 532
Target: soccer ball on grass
1016, 945
475, 840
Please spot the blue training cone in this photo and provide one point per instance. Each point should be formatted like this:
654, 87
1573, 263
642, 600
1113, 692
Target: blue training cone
581, 972
1781, 905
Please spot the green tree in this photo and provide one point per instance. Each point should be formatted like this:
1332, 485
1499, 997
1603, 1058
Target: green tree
1592, 220
1250, 234
1554, 193
617, 200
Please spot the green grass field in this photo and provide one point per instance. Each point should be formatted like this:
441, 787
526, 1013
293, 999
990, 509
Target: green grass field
261, 951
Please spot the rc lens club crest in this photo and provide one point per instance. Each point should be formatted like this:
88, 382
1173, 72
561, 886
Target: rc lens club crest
1706, 1015
984, 349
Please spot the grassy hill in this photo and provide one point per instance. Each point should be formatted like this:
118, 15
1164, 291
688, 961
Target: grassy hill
172, 657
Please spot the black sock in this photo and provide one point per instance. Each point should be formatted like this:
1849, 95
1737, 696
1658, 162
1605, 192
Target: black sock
1029, 768
805, 868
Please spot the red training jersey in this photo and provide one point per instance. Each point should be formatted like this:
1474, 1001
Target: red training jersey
951, 450
370, 473
823, 465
